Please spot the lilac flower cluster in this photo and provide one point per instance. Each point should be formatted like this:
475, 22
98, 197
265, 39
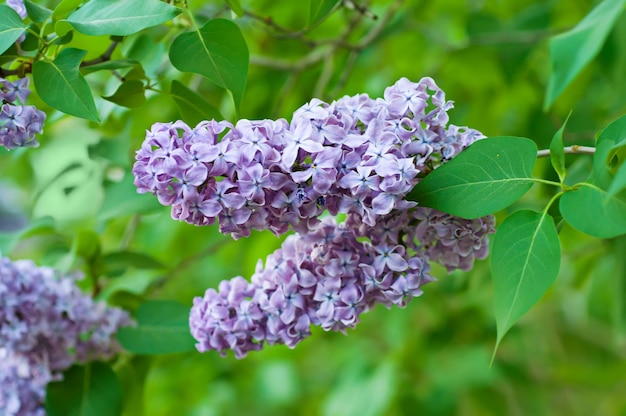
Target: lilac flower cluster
356, 155
46, 324
326, 278
18, 123
331, 275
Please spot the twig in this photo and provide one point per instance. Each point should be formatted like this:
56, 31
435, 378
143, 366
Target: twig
571, 150
106, 56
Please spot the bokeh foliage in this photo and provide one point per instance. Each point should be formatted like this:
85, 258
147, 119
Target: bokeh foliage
566, 356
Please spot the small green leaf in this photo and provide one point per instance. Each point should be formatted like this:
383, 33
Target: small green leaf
571, 51
129, 94
162, 328
217, 51
586, 205
120, 17
60, 84
64, 8
557, 152
486, 177
11, 27
193, 107
235, 6
319, 9
66, 38
31, 41
109, 65
115, 263
92, 390
63, 29
593, 211
525, 260
36, 12
616, 133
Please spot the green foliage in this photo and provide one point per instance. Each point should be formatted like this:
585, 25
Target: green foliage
60, 84
570, 52
37, 12
92, 390
217, 51
129, 94
120, 17
11, 27
193, 107
486, 177
525, 260
162, 328
319, 9
557, 152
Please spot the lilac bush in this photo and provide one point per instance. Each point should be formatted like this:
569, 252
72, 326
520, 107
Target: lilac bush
19, 123
47, 324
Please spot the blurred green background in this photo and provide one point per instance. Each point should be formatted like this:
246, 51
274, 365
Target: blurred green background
565, 357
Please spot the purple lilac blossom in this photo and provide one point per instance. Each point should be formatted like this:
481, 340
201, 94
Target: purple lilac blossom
326, 278
356, 155
18, 122
18, 6
46, 324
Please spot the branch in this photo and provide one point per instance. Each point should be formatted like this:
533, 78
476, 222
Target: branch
106, 56
570, 150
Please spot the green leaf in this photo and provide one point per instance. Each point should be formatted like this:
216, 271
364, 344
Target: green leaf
319, 9
31, 41
109, 65
557, 152
11, 27
619, 181
115, 263
121, 199
571, 51
36, 12
129, 94
217, 51
616, 133
64, 8
92, 390
486, 177
193, 107
63, 29
590, 208
162, 328
60, 84
120, 17
593, 211
525, 260
235, 6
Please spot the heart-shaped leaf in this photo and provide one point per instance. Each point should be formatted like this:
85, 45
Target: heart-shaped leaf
217, 51
61, 85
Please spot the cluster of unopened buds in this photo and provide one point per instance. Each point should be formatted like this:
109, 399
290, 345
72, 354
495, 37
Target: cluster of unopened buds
46, 324
356, 156
19, 123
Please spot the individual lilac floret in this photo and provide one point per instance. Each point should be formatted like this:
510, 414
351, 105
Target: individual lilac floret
18, 6
326, 278
46, 324
356, 155
18, 123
